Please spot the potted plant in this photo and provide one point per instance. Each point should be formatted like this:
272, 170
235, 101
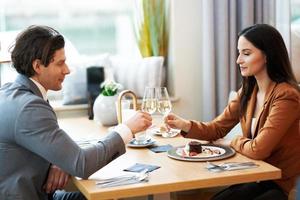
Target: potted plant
104, 106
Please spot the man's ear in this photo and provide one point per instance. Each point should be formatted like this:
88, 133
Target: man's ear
36, 65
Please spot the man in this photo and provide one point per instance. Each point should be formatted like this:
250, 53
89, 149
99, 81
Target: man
36, 156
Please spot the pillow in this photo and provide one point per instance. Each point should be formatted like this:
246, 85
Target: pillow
75, 84
136, 74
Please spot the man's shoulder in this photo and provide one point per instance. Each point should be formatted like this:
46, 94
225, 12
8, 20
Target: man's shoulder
18, 95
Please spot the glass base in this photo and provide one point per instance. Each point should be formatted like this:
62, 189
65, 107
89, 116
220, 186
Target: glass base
171, 133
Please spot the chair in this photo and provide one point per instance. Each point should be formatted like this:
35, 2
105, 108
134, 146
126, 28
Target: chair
295, 192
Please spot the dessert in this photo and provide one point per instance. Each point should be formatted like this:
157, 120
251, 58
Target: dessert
198, 150
195, 147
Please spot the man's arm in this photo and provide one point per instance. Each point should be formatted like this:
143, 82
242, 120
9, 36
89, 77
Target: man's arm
37, 130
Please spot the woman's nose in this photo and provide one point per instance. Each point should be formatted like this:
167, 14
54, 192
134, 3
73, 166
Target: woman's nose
239, 60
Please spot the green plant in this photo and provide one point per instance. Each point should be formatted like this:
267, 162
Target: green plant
151, 29
110, 88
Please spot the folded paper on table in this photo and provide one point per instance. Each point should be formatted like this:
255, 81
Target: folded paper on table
138, 167
162, 148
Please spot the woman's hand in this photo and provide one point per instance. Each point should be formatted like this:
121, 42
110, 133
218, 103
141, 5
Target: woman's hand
57, 179
223, 142
177, 122
139, 122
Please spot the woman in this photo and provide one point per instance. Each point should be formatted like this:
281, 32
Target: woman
268, 108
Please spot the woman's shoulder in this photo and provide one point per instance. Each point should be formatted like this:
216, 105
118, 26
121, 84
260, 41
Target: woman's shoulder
286, 89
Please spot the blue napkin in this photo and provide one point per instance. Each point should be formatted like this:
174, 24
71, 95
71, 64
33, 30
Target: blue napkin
162, 148
138, 167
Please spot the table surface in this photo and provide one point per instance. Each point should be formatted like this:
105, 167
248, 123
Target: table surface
174, 175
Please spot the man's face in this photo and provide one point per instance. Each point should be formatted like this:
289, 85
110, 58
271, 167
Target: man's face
52, 76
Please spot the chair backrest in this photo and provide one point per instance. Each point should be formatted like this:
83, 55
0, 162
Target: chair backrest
232, 95
293, 195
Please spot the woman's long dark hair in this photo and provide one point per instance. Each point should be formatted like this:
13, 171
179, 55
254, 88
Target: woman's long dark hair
270, 42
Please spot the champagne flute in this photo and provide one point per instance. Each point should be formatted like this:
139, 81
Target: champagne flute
149, 100
149, 105
164, 106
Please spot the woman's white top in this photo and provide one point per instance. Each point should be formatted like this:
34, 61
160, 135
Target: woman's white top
253, 122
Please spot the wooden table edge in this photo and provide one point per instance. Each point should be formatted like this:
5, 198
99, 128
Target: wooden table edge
173, 187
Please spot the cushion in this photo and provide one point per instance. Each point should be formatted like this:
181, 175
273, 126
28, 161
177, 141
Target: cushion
136, 74
75, 84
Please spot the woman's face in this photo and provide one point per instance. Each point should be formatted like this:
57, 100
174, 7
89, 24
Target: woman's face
251, 60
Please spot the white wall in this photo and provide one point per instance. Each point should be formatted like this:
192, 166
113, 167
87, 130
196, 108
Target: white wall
184, 68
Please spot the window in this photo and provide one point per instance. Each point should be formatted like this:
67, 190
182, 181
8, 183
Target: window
295, 6
92, 26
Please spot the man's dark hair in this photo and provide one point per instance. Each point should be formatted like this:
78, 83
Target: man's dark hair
35, 42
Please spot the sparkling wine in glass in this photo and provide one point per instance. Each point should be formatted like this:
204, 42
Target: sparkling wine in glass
164, 104
149, 101
149, 105
164, 107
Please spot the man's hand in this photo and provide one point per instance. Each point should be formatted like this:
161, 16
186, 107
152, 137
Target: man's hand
57, 179
139, 122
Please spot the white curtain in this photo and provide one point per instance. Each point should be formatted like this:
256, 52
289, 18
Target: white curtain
221, 22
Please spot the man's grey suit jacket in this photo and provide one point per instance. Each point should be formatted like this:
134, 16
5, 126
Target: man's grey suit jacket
30, 139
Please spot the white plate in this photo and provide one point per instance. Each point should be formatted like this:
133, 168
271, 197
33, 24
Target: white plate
207, 152
226, 152
133, 143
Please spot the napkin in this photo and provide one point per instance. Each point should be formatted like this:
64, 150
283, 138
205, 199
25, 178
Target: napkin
162, 148
138, 167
